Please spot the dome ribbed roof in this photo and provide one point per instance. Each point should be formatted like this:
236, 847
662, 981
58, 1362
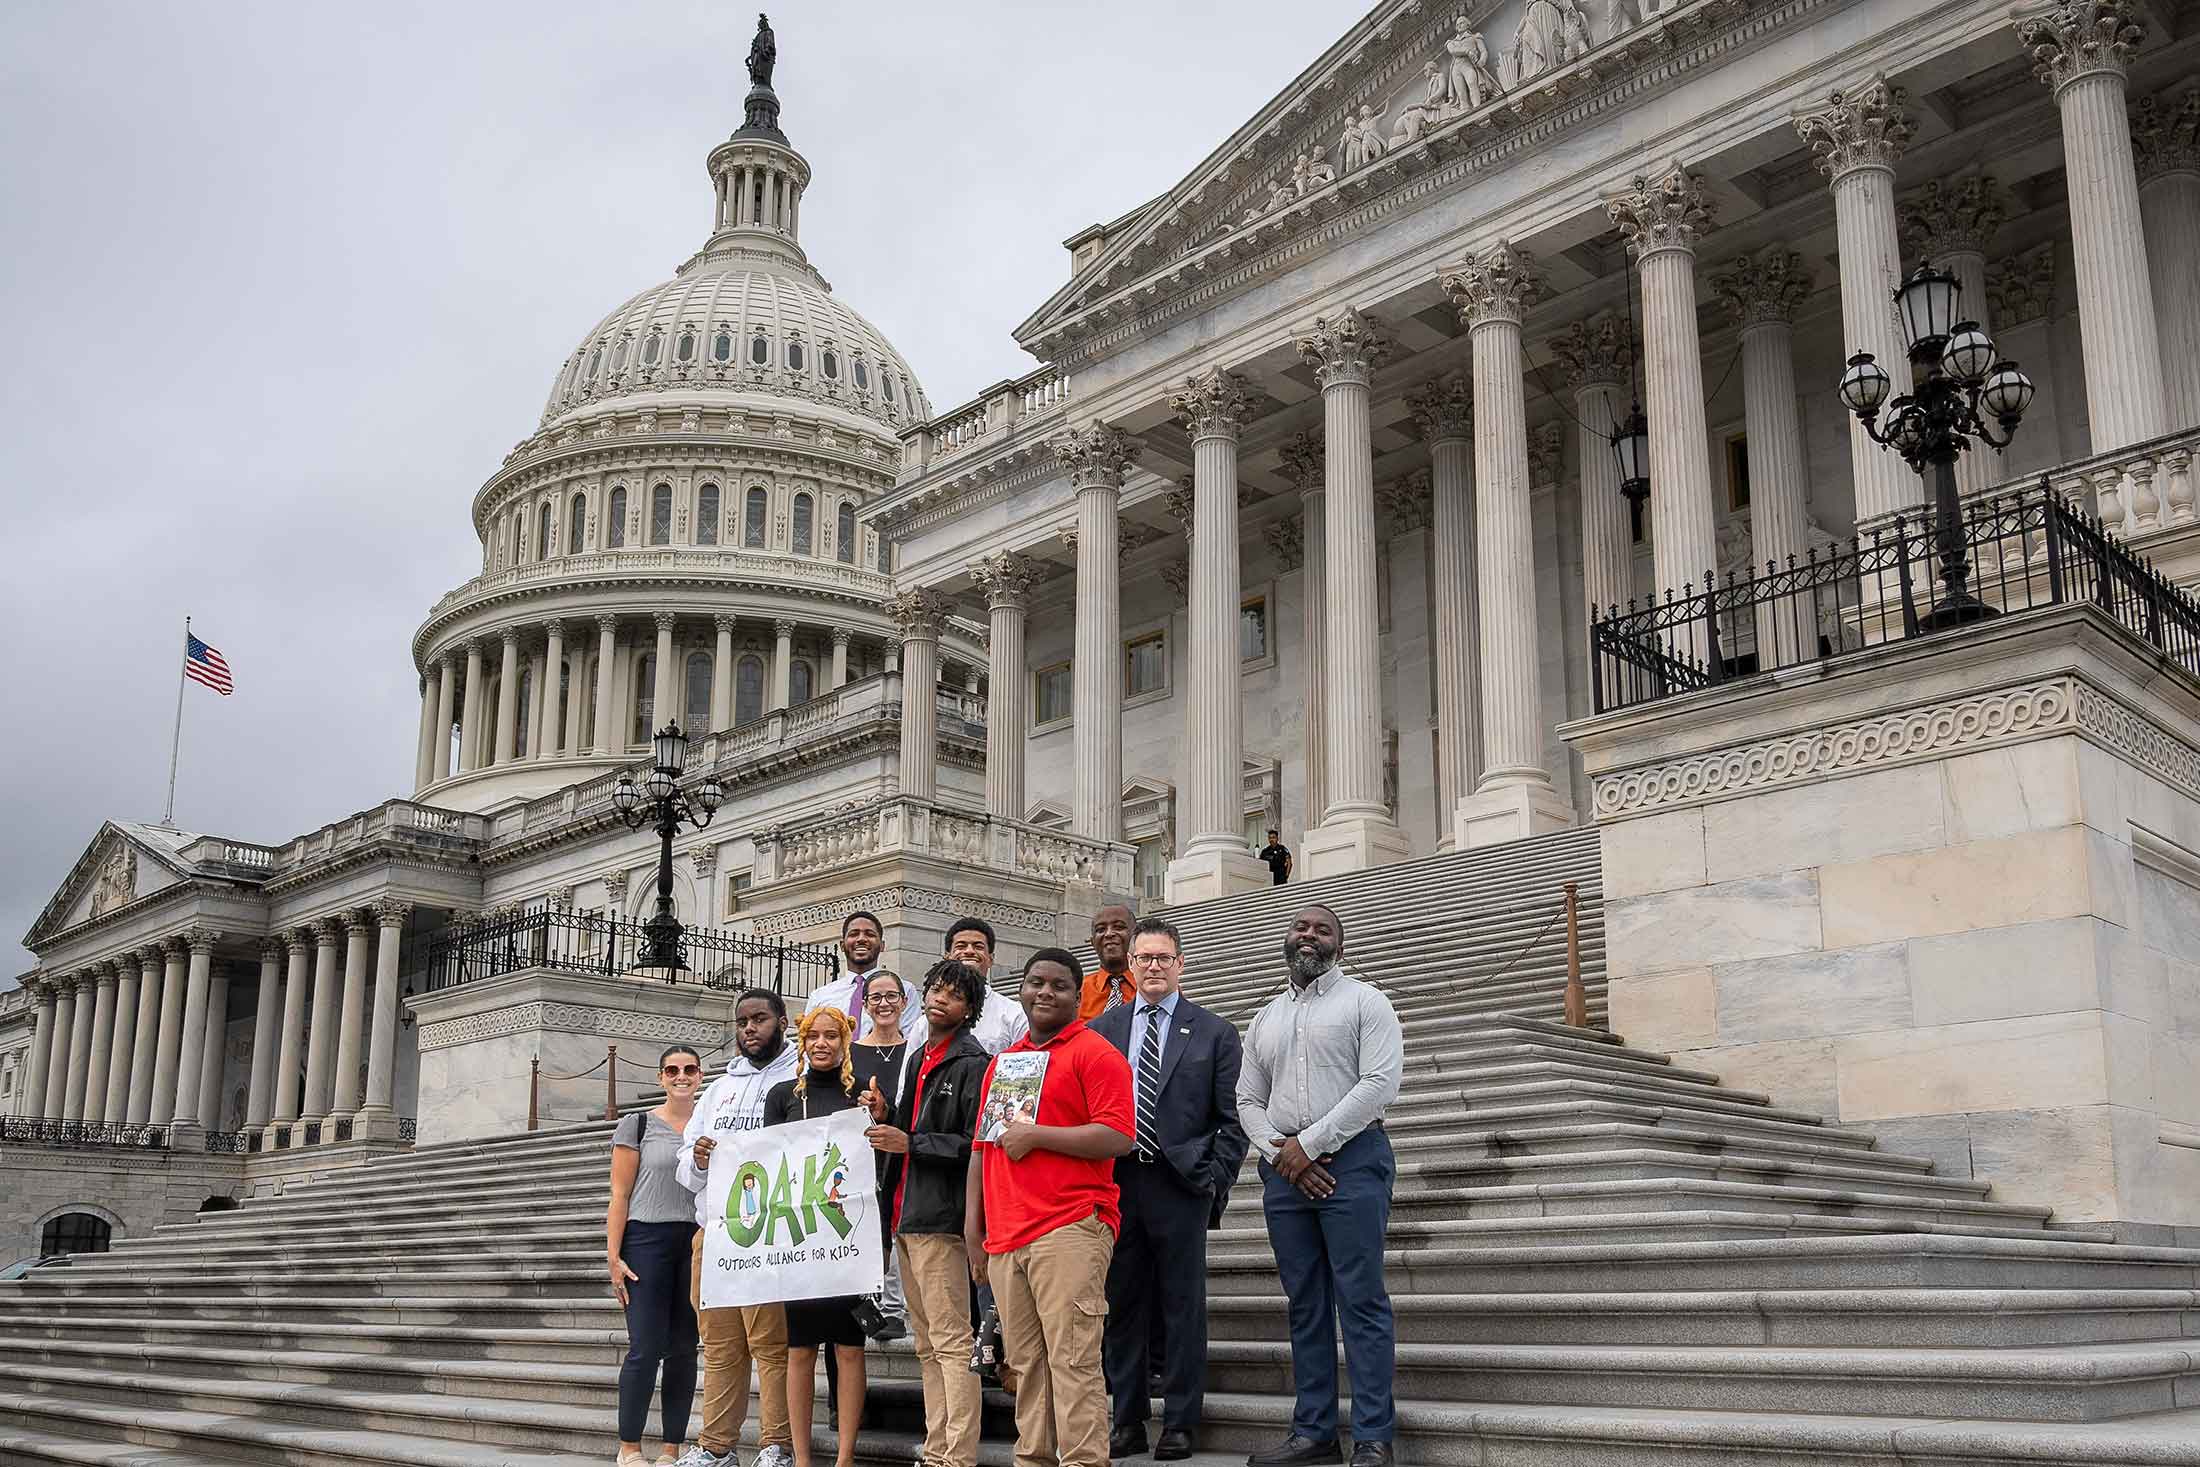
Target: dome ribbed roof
703, 331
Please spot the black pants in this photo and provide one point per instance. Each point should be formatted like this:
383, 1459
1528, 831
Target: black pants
660, 1327
1158, 1275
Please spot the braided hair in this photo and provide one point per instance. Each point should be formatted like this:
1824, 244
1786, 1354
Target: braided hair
809, 1026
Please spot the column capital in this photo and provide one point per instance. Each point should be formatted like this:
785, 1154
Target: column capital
104, 975
327, 930
1598, 352
298, 940
554, 627
201, 939
1409, 501
1212, 404
153, 952
783, 626
1859, 127
173, 948
1666, 211
1301, 459
1496, 286
1766, 289
2080, 38
1182, 503
355, 920
1959, 216
1443, 407
919, 613
2165, 138
271, 948
1177, 576
40, 986
1095, 456
1287, 538
1006, 578
510, 637
722, 622
1345, 347
390, 912
607, 626
842, 635
704, 860
663, 620
2021, 287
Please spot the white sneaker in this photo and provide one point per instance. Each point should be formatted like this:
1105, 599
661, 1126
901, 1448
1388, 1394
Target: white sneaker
699, 1455
772, 1457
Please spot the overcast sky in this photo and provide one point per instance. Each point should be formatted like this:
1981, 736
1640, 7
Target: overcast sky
284, 282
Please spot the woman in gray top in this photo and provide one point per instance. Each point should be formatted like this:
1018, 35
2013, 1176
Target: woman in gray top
648, 1237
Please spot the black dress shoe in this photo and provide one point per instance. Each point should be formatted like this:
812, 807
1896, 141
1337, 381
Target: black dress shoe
1174, 1445
1371, 1454
1128, 1441
1297, 1451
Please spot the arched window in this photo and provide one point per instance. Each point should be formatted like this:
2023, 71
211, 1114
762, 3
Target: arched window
863, 375
802, 514
844, 534
794, 356
651, 348
614, 520
576, 526
542, 531
760, 350
828, 362
684, 351
721, 347
565, 692
645, 698
660, 515
706, 515
752, 518
696, 718
886, 386
618, 354
799, 679
75, 1232
748, 689
595, 360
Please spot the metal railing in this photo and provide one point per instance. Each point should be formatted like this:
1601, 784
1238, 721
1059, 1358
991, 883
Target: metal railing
233, 1143
29, 1131
2026, 550
575, 942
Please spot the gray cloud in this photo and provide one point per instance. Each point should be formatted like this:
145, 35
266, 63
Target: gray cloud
284, 282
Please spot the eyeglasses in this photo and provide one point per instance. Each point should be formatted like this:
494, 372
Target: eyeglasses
684, 1071
1155, 960
891, 997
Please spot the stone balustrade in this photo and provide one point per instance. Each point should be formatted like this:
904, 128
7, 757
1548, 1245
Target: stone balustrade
904, 826
2139, 490
1004, 405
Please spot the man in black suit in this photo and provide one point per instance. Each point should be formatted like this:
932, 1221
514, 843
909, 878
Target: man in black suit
1174, 1184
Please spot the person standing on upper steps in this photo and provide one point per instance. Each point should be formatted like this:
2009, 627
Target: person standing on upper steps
1173, 1185
1112, 984
1323, 1060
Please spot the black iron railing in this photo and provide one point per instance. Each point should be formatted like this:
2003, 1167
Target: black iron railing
233, 1143
575, 942
313, 1134
2026, 550
408, 1129
28, 1131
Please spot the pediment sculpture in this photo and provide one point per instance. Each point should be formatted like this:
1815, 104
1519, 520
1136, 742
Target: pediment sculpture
117, 884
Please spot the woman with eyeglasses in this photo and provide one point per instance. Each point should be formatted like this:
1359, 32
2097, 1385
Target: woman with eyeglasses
648, 1237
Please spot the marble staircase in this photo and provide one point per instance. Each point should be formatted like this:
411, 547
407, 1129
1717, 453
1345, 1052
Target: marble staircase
1597, 1257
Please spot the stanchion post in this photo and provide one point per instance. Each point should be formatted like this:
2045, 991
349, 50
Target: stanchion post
1577, 997
611, 1083
534, 1088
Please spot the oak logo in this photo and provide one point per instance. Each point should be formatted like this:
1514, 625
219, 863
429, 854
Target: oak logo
773, 1210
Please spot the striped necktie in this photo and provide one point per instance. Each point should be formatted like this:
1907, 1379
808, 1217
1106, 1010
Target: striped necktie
1149, 1080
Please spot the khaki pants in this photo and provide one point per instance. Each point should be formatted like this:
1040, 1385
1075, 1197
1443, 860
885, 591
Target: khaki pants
1053, 1299
935, 1277
732, 1338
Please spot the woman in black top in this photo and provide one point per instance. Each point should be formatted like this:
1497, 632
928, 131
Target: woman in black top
825, 1085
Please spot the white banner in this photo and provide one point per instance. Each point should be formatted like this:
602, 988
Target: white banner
794, 1214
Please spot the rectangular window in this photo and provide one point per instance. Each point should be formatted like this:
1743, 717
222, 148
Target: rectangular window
1737, 471
1253, 629
1050, 694
734, 889
1145, 664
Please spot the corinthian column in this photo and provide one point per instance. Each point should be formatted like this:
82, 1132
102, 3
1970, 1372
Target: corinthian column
115, 1104
267, 1021
1763, 294
2166, 142
168, 1054
469, 723
1857, 136
80, 1046
721, 673
1358, 831
1096, 458
1662, 219
57, 1052
839, 678
1214, 859
1302, 465
1514, 797
1445, 412
145, 1041
550, 689
919, 613
191, 1066
290, 1055
1007, 579
508, 698
1598, 356
664, 697
214, 1055
424, 756
607, 654
1951, 225
377, 1119
446, 714
101, 1058
321, 1025
2081, 49
30, 1101
344, 1098
782, 663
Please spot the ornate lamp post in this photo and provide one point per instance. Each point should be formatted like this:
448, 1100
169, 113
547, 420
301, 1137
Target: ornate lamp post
659, 801
1961, 382
1631, 447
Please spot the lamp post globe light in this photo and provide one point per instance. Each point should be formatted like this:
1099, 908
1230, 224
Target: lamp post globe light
1961, 384
1631, 448
659, 801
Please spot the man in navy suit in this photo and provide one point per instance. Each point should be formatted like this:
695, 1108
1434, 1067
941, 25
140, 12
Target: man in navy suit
1174, 1185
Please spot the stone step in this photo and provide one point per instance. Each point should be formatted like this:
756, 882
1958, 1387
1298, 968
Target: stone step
44, 1429
122, 1335
423, 1315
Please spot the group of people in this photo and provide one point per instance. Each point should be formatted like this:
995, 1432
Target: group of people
1076, 1210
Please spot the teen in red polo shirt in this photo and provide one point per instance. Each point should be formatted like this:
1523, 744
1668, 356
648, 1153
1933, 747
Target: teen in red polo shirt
1041, 1213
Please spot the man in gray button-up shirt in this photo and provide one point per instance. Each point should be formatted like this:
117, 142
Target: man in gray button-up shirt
1323, 1060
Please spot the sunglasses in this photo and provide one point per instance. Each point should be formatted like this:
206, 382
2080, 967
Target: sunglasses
684, 1071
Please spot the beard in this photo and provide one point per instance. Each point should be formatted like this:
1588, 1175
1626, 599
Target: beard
1309, 961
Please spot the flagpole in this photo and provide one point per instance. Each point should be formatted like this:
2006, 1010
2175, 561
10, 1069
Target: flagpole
175, 744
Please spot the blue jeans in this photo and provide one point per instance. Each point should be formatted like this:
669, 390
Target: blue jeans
660, 1328
1330, 1254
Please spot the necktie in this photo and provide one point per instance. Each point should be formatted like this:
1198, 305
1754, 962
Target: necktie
1149, 1080
1115, 993
855, 1007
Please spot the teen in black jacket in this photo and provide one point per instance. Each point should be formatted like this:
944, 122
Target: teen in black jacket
927, 1130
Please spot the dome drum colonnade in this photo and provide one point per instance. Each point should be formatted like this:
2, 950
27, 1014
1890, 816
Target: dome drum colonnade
1489, 707
139, 1038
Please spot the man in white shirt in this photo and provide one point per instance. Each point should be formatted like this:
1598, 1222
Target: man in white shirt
970, 940
862, 939
732, 1338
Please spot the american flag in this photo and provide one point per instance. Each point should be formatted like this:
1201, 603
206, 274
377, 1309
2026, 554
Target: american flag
202, 664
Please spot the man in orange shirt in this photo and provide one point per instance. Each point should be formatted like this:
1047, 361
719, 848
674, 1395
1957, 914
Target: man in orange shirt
1111, 983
